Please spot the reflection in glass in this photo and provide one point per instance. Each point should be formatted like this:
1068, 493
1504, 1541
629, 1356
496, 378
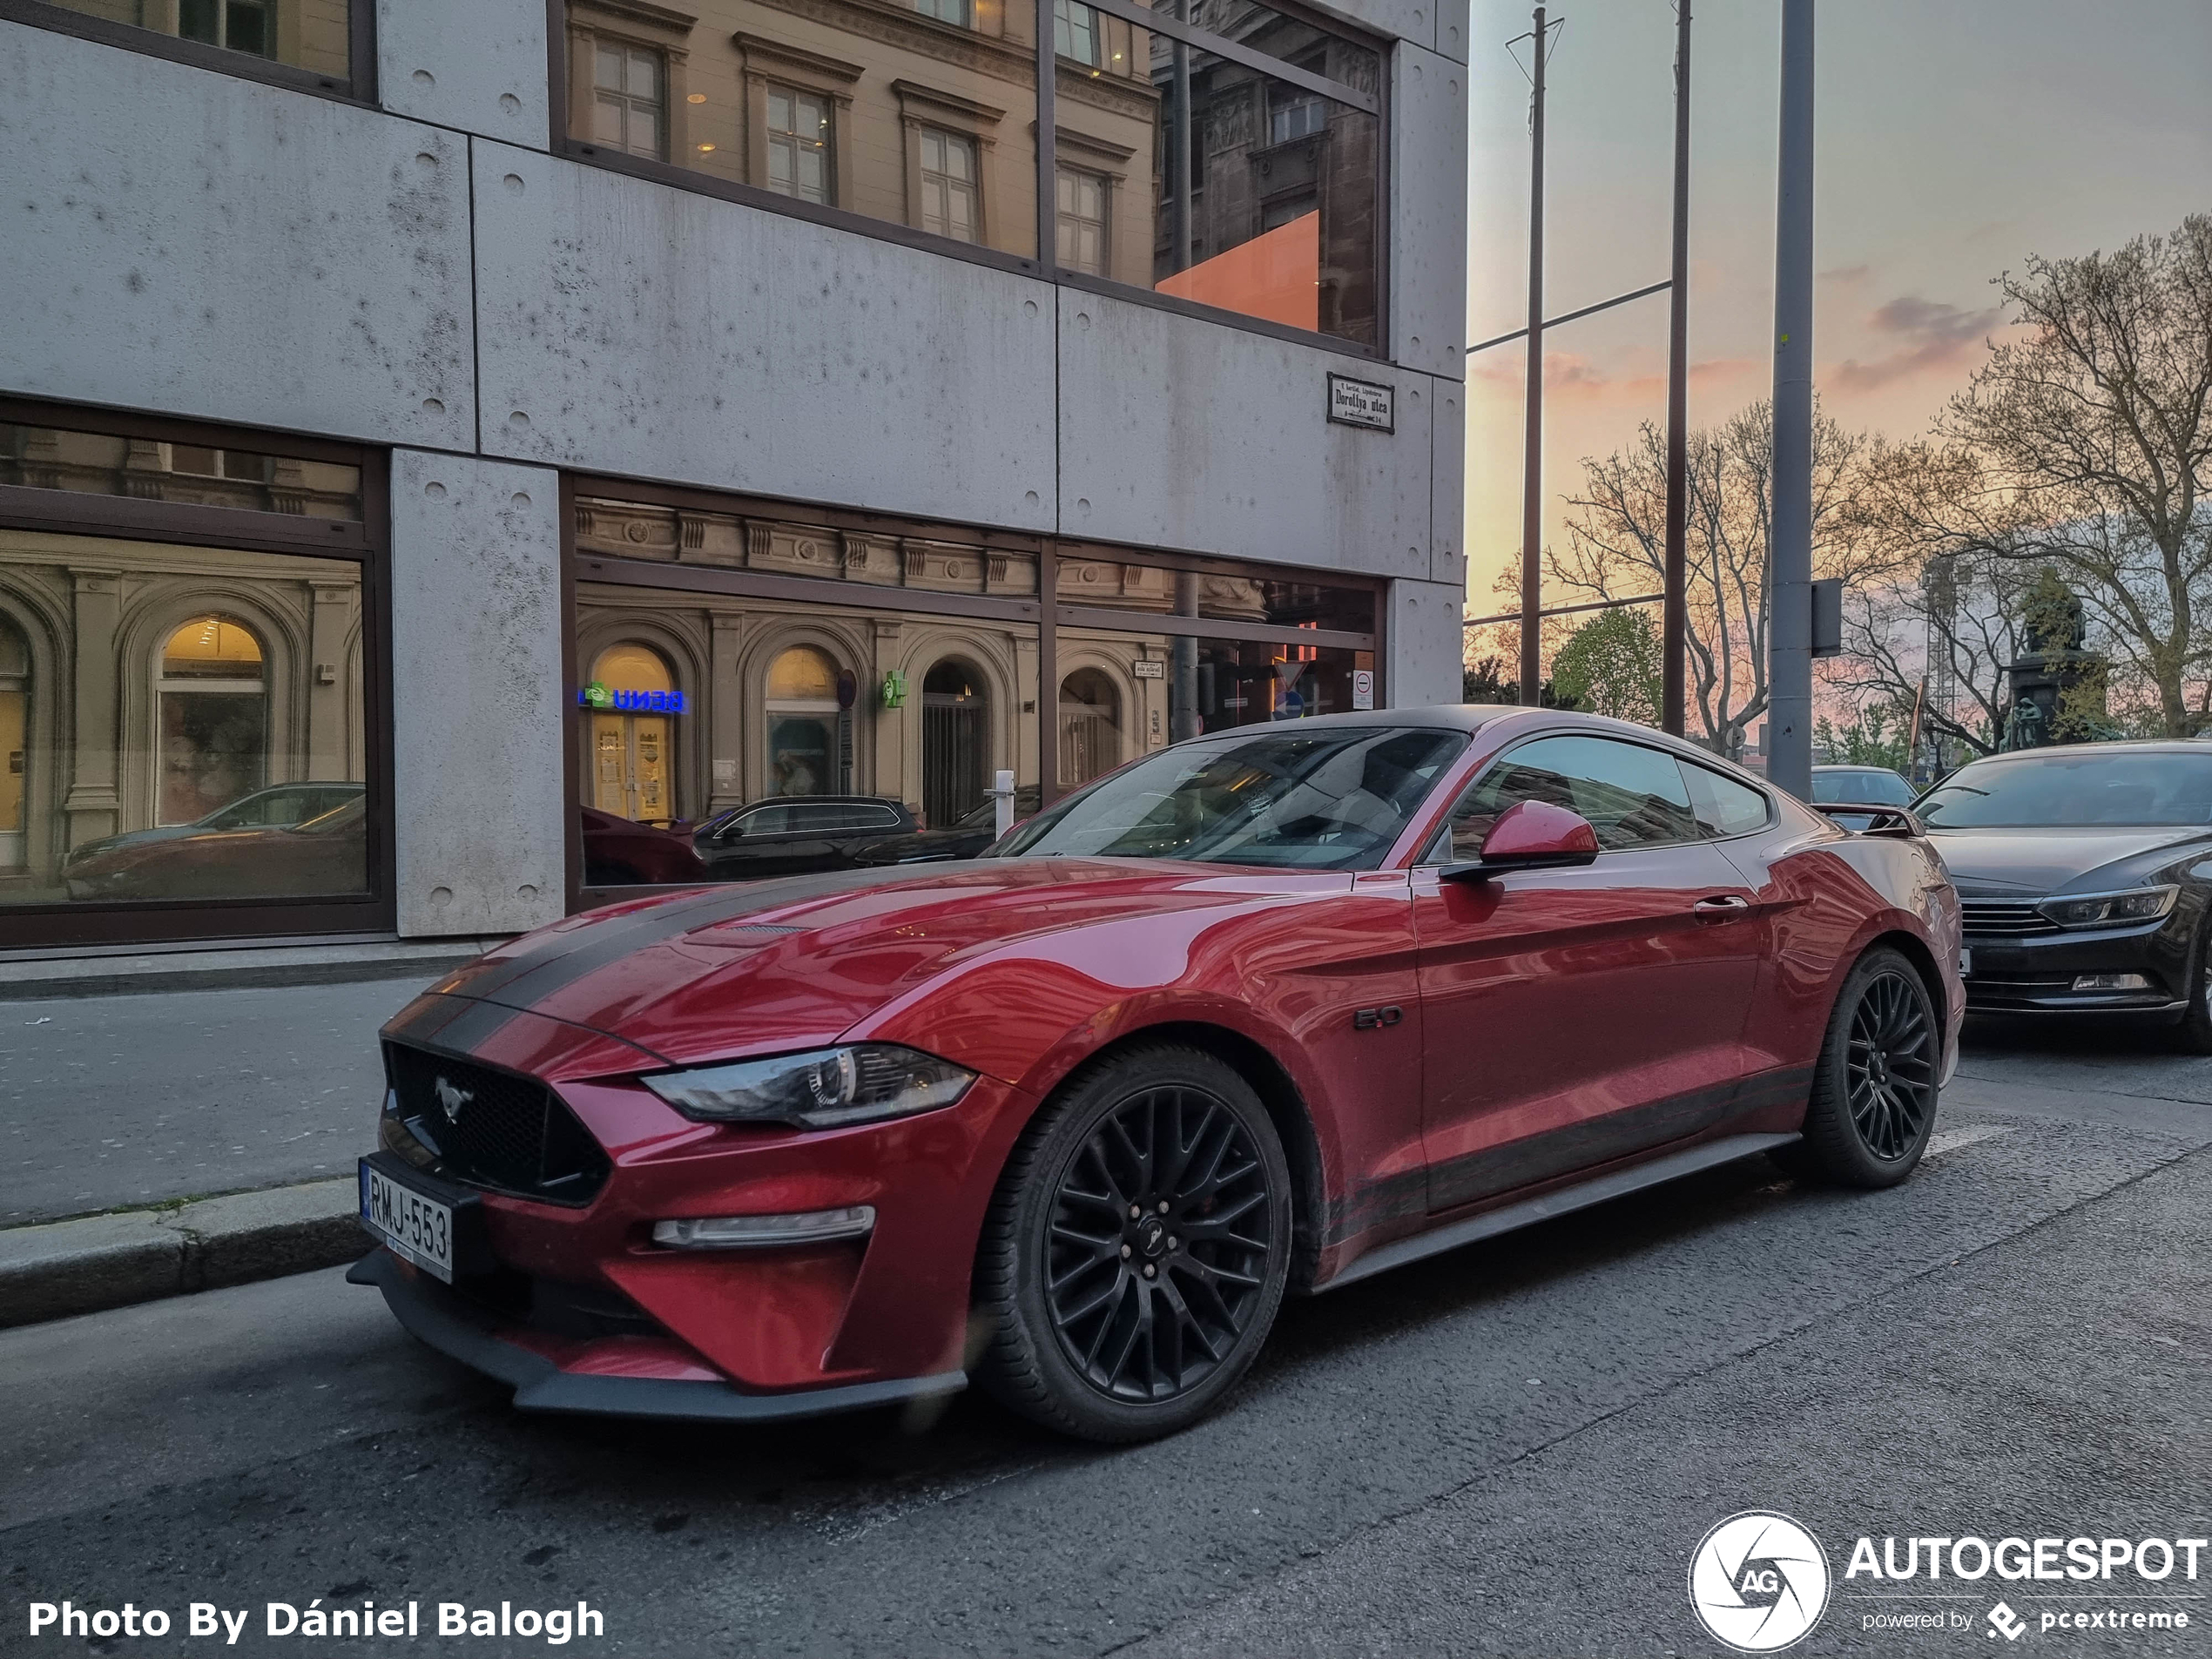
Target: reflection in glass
222, 755
630, 739
97, 463
308, 34
921, 114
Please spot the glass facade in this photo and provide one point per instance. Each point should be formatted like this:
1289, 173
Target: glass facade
312, 35
858, 686
923, 115
179, 722
1230, 156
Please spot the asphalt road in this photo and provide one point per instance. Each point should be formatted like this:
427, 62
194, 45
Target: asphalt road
1511, 1449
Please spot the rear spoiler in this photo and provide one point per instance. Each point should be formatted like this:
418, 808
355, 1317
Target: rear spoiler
1898, 822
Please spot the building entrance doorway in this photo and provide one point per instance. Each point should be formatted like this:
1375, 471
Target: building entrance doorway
632, 769
955, 742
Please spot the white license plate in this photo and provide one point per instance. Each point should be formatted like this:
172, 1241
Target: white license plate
413, 1227
1965, 962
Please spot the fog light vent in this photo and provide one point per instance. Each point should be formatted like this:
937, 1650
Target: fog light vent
759, 1233
2110, 983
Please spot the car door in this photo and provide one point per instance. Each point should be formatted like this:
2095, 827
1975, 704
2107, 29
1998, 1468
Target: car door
1571, 1017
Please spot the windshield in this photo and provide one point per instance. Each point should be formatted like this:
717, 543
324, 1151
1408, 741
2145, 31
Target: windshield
1331, 799
1874, 786
2056, 791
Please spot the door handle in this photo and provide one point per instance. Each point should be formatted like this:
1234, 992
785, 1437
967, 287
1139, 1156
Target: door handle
1720, 906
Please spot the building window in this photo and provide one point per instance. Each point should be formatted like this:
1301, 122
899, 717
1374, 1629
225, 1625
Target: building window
1074, 32
629, 732
803, 725
629, 99
311, 35
955, 742
1081, 221
213, 719
241, 25
1293, 112
951, 199
184, 724
799, 144
957, 12
1090, 726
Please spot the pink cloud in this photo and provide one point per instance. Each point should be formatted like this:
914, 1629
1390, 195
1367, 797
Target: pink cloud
1930, 335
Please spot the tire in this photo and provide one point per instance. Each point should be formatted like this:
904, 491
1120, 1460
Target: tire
1873, 1102
1118, 1327
2194, 1033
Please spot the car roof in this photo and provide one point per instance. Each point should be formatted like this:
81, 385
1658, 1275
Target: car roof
2124, 746
1853, 765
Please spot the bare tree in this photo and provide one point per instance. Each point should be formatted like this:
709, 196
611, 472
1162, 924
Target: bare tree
2085, 446
1616, 546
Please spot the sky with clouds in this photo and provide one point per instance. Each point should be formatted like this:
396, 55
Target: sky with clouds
1955, 138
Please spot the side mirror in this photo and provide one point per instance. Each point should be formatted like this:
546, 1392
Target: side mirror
1529, 835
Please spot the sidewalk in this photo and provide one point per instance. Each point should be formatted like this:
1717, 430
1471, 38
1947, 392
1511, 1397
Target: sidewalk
120, 1102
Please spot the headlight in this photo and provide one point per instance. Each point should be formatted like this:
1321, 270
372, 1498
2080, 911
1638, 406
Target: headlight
828, 1089
2111, 909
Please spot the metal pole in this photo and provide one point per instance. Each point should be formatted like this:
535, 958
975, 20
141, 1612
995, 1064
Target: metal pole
1673, 627
1532, 503
1790, 580
1179, 154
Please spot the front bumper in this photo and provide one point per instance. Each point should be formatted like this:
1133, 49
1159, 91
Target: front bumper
2035, 975
448, 1321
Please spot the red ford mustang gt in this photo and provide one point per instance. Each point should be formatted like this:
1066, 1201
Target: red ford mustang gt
1269, 1010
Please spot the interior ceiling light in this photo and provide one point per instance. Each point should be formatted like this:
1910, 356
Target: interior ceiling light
696, 97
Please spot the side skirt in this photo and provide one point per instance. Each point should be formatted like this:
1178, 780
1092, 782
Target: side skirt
1510, 1217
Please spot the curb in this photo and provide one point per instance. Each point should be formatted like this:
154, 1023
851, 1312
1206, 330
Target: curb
61, 1268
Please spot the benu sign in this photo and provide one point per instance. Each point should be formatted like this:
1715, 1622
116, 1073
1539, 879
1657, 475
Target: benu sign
618, 700
1361, 404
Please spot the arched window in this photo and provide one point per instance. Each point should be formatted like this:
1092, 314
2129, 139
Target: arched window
1090, 726
214, 719
955, 741
633, 702
804, 728
15, 741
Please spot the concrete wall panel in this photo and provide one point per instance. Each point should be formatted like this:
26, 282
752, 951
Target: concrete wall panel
1452, 30
1448, 485
479, 702
631, 327
1186, 435
1414, 20
479, 66
1429, 251
1425, 644
175, 240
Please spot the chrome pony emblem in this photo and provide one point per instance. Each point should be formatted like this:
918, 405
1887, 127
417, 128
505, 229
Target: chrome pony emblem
451, 1100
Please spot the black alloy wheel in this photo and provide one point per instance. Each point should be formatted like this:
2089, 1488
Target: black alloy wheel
1874, 1086
1890, 1064
1138, 1247
2194, 1033
1159, 1244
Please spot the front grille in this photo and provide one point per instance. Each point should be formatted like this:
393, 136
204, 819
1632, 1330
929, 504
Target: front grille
2004, 919
493, 1129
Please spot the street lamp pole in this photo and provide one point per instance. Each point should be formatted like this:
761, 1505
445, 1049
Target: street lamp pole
1674, 702
1790, 581
1532, 500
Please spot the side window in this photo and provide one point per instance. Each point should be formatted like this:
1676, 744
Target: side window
1722, 806
767, 820
1632, 796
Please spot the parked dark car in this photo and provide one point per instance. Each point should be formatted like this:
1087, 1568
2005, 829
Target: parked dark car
620, 852
963, 839
327, 854
278, 806
1863, 785
796, 835
2086, 876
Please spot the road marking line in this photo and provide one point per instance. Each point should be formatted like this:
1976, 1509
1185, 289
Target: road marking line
1951, 1139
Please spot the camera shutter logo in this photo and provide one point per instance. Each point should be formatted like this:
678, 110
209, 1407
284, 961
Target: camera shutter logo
1758, 1582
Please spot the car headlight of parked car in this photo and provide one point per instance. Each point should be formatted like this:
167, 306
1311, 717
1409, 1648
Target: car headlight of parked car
826, 1088
2111, 909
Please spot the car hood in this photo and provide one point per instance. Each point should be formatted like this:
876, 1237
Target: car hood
2005, 861
776, 965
